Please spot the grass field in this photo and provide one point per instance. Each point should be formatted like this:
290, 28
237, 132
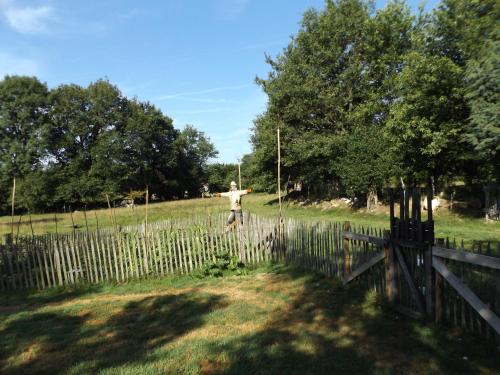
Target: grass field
447, 223
276, 320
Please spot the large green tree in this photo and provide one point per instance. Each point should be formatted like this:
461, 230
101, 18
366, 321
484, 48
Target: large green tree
74, 146
194, 150
220, 175
483, 97
336, 75
427, 123
23, 115
149, 152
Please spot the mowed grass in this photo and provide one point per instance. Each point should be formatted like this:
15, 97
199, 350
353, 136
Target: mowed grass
447, 224
103, 218
275, 320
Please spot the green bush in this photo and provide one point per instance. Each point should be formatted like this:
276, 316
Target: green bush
224, 264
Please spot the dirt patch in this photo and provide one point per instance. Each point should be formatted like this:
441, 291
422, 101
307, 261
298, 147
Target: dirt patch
208, 367
12, 309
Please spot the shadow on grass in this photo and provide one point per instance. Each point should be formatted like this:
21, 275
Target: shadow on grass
33, 298
25, 222
330, 329
323, 328
46, 342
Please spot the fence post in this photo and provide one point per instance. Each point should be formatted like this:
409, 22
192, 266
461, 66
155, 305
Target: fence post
429, 282
439, 301
439, 292
346, 244
390, 285
497, 300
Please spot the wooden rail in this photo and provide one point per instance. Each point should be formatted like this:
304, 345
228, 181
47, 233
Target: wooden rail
467, 257
363, 237
481, 308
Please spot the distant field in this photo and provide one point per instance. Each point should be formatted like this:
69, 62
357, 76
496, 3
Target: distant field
447, 224
276, 320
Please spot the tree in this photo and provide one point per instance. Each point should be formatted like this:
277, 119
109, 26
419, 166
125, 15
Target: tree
23, 114
194, 150
79, 145
426, 123
483, 97
364, 168
312, 89
84, 144
149, 151
220, 175
335, 76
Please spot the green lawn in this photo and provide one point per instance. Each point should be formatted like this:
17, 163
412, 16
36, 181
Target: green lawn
447, 223
275, 320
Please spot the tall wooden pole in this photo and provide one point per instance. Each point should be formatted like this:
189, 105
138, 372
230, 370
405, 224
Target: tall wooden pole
110, 211
147, 204
279, 169
146, 221
239, 173
13, 205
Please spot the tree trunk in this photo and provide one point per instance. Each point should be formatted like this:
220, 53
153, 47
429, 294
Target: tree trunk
491, 201
371, 200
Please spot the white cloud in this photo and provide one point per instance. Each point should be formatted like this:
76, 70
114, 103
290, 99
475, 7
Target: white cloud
27, 19
230, 9
199, 111
206, 91
14, 65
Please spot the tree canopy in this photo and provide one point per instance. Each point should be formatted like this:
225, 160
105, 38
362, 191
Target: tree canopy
365, 98
74, 145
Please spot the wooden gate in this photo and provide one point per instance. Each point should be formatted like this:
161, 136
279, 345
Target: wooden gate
410, 259
423, 280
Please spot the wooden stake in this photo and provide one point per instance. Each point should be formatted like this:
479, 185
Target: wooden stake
13, 205
239, 173
72, 221
279, 168
18, 226
346, 250
85, 216
147, 203
96, 221
55, 221
31, 224
110, 211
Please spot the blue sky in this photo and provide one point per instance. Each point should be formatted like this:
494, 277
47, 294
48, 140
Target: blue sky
194, 59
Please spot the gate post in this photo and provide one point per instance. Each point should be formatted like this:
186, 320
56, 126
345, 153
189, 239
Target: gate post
438, 293
390, 285
347, 257
429, 270
497, 298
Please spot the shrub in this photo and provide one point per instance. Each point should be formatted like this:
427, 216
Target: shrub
224, 264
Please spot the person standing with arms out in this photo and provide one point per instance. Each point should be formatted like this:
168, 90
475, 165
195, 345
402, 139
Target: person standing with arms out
234, 196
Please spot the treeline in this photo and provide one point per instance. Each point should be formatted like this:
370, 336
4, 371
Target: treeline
365, 99
71, 146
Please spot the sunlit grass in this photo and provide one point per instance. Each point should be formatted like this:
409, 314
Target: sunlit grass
447, 224
274, 320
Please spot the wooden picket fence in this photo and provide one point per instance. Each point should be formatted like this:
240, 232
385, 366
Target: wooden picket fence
477, 269
122, 254
343, 250
176, 246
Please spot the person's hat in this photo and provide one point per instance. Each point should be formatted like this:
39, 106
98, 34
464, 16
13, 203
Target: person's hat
233, 183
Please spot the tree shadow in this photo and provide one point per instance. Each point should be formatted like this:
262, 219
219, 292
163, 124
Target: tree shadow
51, 295
36, 343
330, 329
462, 209
325, 328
